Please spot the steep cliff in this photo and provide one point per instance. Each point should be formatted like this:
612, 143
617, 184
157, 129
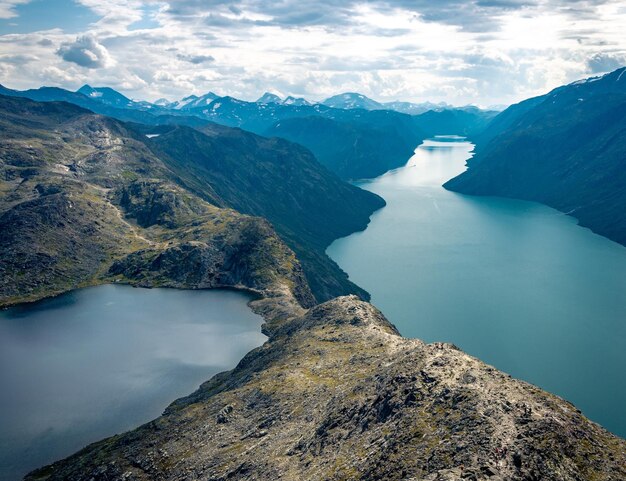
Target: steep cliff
566, 149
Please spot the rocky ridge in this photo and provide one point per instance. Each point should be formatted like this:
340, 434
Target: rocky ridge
338, 394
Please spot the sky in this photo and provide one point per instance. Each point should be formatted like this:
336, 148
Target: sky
482, 52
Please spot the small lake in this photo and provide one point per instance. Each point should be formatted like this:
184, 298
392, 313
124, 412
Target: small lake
102, 360
517, 284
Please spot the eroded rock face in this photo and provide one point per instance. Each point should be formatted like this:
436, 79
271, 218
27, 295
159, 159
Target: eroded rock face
338, 394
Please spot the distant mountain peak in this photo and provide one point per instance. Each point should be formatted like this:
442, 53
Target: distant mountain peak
269, 98
105, 95
352, 100
193, 101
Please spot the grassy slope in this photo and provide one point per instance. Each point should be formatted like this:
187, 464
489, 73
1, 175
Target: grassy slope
280, 181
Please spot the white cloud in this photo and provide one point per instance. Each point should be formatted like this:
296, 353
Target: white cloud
86, 52
7, 7
116, 15
460, 51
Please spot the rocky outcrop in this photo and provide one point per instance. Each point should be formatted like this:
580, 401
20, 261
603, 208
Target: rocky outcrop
57, 238
337, 394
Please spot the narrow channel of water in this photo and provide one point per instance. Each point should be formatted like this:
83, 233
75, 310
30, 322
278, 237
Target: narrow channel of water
99, 361
517, 284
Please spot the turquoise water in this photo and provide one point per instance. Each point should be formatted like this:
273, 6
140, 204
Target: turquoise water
517, 284
103, 360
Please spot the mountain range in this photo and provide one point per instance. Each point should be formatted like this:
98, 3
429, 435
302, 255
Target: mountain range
354, 100
369, 138
55, 155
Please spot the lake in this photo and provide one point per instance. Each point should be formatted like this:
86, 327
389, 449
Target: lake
517, 284
102, 360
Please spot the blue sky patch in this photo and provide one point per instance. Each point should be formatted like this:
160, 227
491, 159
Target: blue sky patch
148, 20
38, 15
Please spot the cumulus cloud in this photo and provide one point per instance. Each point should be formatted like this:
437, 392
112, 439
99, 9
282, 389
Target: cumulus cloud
605, 62
460, 51
86, 52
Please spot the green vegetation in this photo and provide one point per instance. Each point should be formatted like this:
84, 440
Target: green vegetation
85, 201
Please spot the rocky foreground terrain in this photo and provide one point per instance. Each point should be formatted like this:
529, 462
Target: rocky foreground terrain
338, 394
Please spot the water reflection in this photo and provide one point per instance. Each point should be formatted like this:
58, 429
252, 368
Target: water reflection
102, 360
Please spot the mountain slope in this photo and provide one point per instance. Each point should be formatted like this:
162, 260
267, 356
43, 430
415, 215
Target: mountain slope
467, 121
269, 98
352, 150
308, 205
352, 100
296, 101
504, 120
415, 109
192, 102
133, 112
396, 134
107, 96
337, 394
86, 160
84, 201
566, 149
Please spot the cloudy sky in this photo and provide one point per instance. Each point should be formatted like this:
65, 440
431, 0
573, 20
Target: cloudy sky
484, 52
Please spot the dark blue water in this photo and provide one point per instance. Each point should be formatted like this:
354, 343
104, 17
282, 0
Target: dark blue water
103, 360
516, 284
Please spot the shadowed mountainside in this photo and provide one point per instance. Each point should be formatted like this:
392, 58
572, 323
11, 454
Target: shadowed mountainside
353, 150
566, 149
